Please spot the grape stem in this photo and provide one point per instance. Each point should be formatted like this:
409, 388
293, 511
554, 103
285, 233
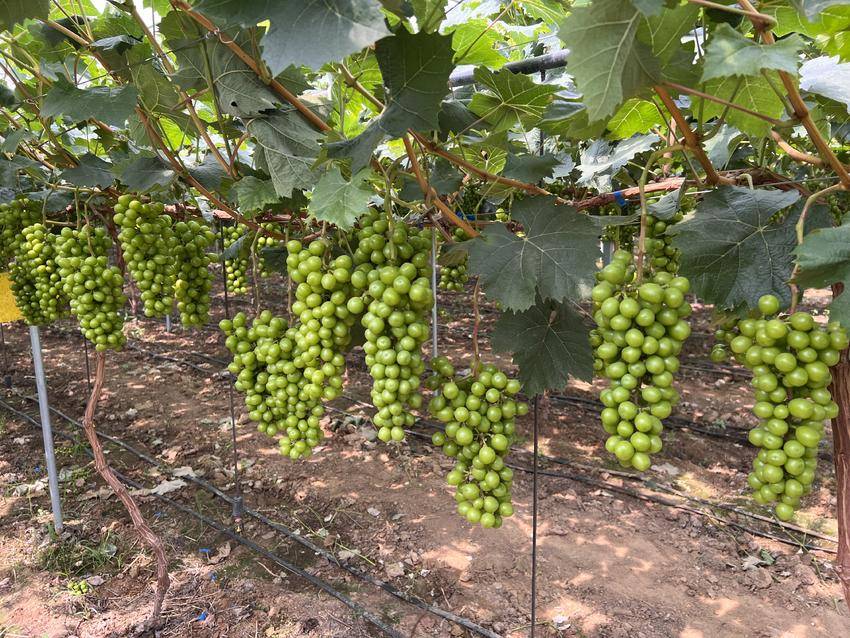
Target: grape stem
801, 229
644, 212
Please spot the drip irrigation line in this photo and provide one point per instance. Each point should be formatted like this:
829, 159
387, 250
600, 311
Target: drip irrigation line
242, 540
279, 527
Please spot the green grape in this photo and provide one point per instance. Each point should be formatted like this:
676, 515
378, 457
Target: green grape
264, 242
149, 244
194, 279
661, 255
36, 283
640, 331
479, 412
790, 357
236, 268
95, 288
454, 277
392, 269
14, 217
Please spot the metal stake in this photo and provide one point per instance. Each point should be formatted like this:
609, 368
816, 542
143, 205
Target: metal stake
534, 520
46, 431
434, 288
168, 322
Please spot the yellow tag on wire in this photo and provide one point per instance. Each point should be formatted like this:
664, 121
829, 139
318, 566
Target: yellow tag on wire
8, 309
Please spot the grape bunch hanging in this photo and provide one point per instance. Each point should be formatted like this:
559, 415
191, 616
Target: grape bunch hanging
479, 412
193, 280
393, 268
790, 357
36, 283
95, 289
641, 327
14, 217
148, 243
236, 267
455, 276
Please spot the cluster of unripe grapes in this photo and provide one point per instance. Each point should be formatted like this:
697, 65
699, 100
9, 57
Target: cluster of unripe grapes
662, 255
36, 284
265, 242
393, 270
193, 280
95, 289
479, 412
454, 277
790, 357
14, 217
79, 587
236, 268
148, 243
641, 327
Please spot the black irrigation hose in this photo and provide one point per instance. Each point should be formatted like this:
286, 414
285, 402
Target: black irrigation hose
329, 556
315, 580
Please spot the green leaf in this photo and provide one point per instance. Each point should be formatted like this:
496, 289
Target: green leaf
529, 168
429, 14
13, 139
752, 92
255, 194
824, 259
304, 32
115, 44
812, 8
601, 161
514, 98
734, 250
827, 77
209, 173
663, 33
608, 62
8, 99
338, 201
415, 69
13, 12
147, 173
568, 119
289, 147
549, 342
730, 53
649, 7
555, 259
635, 116
549, 11
474, 43
112, 105
668, 205
91, 171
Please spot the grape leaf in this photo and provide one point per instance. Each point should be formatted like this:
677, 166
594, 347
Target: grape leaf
209, 172
112, 105
91, 171
824, 259
649, 7
608, 62
255, 194
147, 173
555, 258
529, 168
635, 116
827, 77
550, 11
601, 161
288, 148
668, 205
812, 8
429, 14
13, 12
304, 32
473, 43
415, 69
515, 98
730, 53
338, 201
734, 250
549, 342
752, 92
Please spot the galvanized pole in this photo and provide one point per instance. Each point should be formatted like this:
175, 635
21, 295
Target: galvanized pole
46, 431
434, 289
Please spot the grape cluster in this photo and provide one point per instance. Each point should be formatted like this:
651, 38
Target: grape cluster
194, 279
639, 334
790, 357
14, 217
393, 269
479, 412
148, 242
662, 255
236, 268
454, 277
265, 242
94, 288
36, 284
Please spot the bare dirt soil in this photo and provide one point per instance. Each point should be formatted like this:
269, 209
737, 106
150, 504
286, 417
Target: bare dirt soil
609, 564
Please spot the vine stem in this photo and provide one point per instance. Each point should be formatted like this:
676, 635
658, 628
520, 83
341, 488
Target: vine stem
800, 228
102, 467
644, 210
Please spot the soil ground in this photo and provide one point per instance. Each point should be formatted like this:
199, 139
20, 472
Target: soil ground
609, 565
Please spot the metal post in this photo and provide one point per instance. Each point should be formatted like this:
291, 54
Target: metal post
46, 431
434, 288
168, 322
607, 252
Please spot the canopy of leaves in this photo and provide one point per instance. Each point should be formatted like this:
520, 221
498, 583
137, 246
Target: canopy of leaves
824, 259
